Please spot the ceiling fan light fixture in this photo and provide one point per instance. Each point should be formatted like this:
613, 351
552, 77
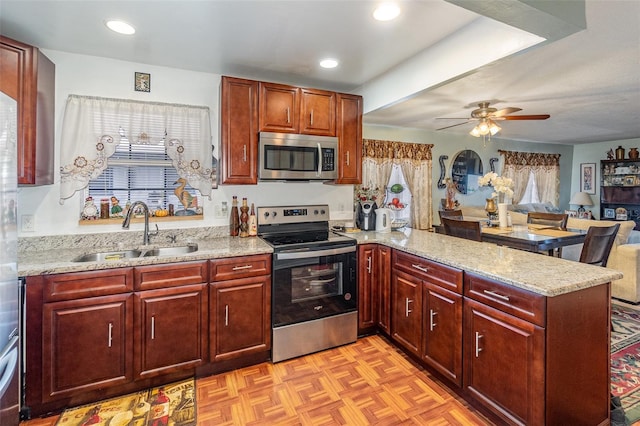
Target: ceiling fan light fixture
494, 128
475, 132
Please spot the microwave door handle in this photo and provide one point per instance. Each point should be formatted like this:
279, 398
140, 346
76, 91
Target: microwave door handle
319, 172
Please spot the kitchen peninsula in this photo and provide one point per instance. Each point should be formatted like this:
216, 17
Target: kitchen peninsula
529, 334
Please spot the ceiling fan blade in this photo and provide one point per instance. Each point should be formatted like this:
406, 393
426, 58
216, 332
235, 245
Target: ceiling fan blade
452, 118
454, 125
526, 117
504, 111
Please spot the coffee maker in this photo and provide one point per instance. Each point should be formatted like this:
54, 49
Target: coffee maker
366, 215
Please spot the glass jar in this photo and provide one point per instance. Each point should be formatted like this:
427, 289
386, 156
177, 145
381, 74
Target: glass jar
104, 208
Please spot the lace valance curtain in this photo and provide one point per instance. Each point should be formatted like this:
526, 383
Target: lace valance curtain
545, 169
378, 158
93, 127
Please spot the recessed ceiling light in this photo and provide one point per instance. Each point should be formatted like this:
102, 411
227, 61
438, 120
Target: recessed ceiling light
120, 27
328, 63
386, 11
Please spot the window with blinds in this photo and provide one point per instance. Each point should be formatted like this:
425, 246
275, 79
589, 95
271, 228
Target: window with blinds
139, 172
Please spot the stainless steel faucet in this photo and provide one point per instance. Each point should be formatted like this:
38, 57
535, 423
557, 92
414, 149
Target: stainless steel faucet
146, 238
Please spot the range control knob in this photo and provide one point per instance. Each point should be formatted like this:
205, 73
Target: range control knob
315, 212
266, 214
322, 212
275, 214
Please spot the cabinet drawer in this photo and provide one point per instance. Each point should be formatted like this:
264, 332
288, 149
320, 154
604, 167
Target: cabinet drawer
170, 275
230, 268
520, 303
87, 284
433, 272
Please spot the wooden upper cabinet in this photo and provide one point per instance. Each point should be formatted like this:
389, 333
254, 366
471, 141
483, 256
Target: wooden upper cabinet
349, 132
28, 76
239, 130
318, 112
279, 108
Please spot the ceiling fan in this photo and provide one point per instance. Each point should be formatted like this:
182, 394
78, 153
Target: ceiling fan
487, 116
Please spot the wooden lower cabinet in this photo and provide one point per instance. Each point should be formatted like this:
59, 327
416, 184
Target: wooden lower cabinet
504, 363
406, 311
86, 345
170, 329
442, 331
240, 317
367, 287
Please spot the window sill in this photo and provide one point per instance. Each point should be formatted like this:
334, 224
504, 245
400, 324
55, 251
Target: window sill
152, 219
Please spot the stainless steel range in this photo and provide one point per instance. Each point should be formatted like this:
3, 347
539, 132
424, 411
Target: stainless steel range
314, 298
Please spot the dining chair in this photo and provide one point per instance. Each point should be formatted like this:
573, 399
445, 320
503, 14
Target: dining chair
469, 229
457, 214
557, 220
598, 243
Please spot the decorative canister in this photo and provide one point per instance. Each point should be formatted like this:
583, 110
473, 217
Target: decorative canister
633, 153
619, 153
490, 206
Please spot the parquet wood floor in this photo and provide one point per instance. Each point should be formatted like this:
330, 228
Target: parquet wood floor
369, 382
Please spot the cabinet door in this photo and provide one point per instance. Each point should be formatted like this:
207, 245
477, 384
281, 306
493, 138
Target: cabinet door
442, 341
239, 131
383, 282
349, 132
240, 317
367, 297
86, 345
406, 311
28, 76
504, 363
279, 108
170, 329
318, 112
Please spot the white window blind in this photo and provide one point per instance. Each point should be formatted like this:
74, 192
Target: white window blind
130, 148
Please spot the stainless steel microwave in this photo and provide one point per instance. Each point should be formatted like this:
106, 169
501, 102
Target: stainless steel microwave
288, 156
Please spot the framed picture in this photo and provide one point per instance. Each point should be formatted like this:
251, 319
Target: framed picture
609, 213
588, 178
629, 180
142, 82
571, 213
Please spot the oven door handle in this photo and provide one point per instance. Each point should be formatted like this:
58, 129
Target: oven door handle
314, 253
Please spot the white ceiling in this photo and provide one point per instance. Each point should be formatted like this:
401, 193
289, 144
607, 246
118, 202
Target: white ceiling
430, 62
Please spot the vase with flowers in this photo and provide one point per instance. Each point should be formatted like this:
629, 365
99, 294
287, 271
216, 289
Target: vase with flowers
502, 189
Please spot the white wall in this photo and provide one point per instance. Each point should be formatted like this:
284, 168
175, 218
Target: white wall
593, 153
94, 76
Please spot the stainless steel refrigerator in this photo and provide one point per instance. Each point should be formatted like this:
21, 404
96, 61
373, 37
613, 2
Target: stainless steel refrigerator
10, 380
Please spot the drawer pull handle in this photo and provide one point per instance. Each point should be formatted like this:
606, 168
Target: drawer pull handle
288, 116
432, 323
240, 268
496, 295
226, 315
153, 328
244, 153
478, 348
311, 119
407, 311
110, 335
348, 162
369, 264
420, 268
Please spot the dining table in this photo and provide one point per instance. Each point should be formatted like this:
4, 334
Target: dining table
532, 237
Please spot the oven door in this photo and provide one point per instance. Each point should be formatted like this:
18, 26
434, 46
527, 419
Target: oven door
312, 284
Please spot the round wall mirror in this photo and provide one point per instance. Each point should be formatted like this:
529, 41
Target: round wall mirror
466, 169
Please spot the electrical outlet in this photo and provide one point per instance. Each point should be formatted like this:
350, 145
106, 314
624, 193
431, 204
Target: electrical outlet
28, 223
220, 211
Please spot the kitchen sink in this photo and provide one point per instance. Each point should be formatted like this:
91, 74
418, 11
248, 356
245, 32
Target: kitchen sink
107, 256
171, 251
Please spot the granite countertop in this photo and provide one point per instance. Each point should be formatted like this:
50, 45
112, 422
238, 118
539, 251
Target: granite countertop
541, 274
545, 275
54, 255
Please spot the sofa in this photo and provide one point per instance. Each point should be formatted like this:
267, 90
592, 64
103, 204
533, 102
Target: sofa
624, 257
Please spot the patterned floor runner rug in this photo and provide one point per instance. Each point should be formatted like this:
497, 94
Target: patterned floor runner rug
172, 405
625, 359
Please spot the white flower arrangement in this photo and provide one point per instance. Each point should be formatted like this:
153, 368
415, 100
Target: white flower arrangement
501, 185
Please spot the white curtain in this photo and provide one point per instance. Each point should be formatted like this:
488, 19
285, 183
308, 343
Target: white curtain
92, 128
545, 168
378, 158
